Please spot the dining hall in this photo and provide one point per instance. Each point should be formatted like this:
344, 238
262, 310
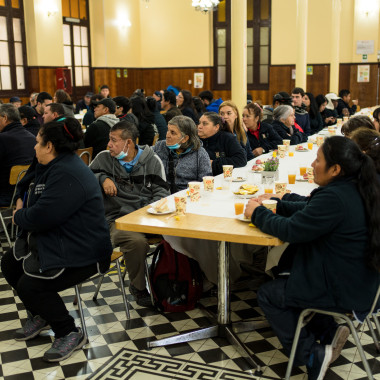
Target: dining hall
189, 189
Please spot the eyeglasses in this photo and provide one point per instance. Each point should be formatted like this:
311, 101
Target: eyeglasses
117, 107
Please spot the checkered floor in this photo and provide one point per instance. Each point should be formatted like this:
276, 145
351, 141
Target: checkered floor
117, 347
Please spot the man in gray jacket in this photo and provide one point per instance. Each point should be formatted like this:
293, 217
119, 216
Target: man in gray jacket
131, 177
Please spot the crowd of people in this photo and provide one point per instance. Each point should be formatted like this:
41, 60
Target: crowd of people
146, 148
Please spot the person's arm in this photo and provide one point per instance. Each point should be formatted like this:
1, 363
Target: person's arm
90, 135
318, 218
62, 196
159, 186
204, 165
248, 150
272, 139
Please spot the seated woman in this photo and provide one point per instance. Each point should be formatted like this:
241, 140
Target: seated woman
221, 145
182, 154
322, 103
376, 119
334, 253
64, 238
261, 136
146, 126
316, 122
186, 105
230, 116
283, 124
355, 122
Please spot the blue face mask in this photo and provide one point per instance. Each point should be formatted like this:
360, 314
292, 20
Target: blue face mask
122, 154
175, 146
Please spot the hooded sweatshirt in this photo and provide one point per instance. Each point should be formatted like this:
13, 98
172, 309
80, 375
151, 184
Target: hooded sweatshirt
146, 183
97, 134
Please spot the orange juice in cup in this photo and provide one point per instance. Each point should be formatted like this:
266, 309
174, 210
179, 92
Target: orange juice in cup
291, 178
310, 146
239, 207
291, 154
268, 190
302, 170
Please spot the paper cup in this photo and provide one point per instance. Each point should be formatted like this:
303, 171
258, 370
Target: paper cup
208, 183
310, 174
339, 122
270, 204
281, 150
331, 131
320, 140
345, 118
280, 187
180, 204
227, 170
195, 191
286, 143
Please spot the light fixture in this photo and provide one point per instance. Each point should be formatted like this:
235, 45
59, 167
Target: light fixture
50, 7
205, 5
146, 2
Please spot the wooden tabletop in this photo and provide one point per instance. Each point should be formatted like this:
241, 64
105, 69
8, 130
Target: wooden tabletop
195, 226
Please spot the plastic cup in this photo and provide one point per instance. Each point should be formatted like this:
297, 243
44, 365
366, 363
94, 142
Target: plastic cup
195, 191
291, 177
226, 184
270, 204
280, 187
227, 170
291, 154
310, 146
239, 206
302, 170
274, 153
180, 204
208, 183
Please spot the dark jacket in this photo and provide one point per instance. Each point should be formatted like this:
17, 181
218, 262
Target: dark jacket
328, 113
224, 149
302, 119
316, 124
161, 125
16, 148
268, 138
187, 111
146, 131
88, 118
342, 104
33, 126
328, 235
169, 114
81, 105
65, 211
129, 117
284, 132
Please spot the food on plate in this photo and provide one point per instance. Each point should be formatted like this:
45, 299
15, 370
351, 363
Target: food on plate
258, 161
257, 168
247, 189
300, 148
161, 205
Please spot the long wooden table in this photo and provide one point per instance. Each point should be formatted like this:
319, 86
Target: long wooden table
224, 230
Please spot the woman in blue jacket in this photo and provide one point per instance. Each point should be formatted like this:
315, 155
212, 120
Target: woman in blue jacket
64, 238
334, 253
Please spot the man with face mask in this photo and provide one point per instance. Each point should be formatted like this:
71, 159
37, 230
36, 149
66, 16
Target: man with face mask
131, 177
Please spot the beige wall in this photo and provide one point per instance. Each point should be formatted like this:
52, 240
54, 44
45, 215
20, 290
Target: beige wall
44, 38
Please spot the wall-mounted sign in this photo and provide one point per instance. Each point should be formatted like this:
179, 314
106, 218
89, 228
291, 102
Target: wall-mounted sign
198, 80
125, 73
365, 47
118, 74
293, 73
309, 70
363, 73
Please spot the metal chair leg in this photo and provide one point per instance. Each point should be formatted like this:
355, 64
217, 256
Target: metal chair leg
6, 231
83, 322
372, 331
377, 324
148, 281
75, 302
97, 288
122, 289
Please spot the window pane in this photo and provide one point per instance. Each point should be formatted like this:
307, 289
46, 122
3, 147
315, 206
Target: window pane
250, 74
5, 74
86, 76
2, 4
221, 37
83, 33
74, 5
249, 55
221, 56
264, 14
263, 74
221, 74
20, 77
76, 33
67, 55
83, 10
249, 36
66, 8
78, 76
77, 56
3, 29
18, 54
264, 55
66, 34
15, 4
85, 56
17, 29
4, 56
222, 11
249, 10
264, 35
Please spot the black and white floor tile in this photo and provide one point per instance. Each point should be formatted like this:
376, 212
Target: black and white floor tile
117, 347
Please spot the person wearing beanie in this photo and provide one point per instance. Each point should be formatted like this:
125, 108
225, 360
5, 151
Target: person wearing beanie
29, 119
157, 95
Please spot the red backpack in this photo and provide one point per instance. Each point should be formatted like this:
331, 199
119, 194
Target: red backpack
175, 279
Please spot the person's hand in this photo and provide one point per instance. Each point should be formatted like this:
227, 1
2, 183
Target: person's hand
250, 208
355, 101
258, 151
211, 162
19, 204
109, 187
263, 197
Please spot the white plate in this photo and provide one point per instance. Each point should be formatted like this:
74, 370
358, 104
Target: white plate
239, 179
246, 196
151, 210
243, 219
301, 179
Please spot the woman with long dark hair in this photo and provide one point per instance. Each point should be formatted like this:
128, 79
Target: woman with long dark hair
186, 105
316, 122
146, 125
333, 259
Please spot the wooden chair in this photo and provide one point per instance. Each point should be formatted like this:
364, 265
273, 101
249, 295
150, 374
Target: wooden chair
16, 174
156, 136
85, 154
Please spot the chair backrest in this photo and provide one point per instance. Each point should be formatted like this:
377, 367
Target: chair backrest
17, 172
155, 139
137, 141
85, 154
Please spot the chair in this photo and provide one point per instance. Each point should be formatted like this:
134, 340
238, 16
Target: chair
115, 257
156, 136
16, 174
85, 154
305, 313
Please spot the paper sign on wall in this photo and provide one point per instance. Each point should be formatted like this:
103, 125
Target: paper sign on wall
293, 73
309, 70
365, 47
363, 73
198, 80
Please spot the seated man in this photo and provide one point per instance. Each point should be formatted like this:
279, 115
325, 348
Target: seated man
302, 116
131, 177
43, 99
169, 106
343, 107
53, 111
211, 104
84, 104
16, 148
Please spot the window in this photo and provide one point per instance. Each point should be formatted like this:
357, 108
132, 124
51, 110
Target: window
258, 44
76, 43
12, 48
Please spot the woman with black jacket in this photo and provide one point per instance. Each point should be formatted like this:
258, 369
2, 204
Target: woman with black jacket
146, 125
63, 239
316, 122
186, 105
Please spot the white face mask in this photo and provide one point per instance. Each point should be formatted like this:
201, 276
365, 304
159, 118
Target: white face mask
123, 154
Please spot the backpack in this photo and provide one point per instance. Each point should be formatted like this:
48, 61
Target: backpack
175, 279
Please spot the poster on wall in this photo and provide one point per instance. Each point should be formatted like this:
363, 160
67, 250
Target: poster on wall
118, 75
198, 80
363, 73
293, 73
